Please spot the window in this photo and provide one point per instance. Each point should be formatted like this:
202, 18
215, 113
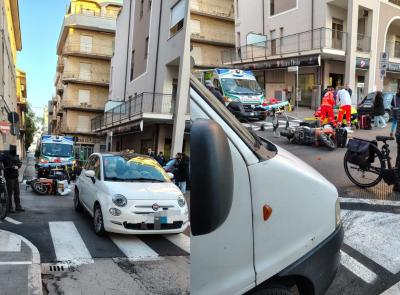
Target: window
141, 8
271, 7
237, 8
146, 49
195, 26
132, 63
177, 17
84, 96
97, 167
83, 124
85, 71
149, 6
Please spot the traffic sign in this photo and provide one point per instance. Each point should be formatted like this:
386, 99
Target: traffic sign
384, 56
383, 73
293, 69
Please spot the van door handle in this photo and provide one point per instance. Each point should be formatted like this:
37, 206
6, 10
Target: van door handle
267, 211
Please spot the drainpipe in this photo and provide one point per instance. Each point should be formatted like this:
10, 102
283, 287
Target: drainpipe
156, 67
263, 16
127, 48
312, 23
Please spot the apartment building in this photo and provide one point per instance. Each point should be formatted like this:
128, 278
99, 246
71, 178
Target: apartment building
21, 110
334, 42
148, 99
212, 26
85, 47
10, 43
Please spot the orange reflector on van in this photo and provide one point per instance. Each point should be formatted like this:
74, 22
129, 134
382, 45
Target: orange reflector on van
267, 211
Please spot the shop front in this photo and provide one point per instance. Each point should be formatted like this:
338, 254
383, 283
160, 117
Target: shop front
392, 80
86, 145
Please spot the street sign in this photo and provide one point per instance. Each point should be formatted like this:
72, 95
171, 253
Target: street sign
5, 127
383, 73
384, 64
293, 69
384, 57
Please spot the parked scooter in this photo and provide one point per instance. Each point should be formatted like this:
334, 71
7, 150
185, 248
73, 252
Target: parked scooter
324, 136
57, 183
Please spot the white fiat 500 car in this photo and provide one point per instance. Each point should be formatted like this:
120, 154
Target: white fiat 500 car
130, 194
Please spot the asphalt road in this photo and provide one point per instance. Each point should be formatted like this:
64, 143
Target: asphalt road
371, 218
155, 264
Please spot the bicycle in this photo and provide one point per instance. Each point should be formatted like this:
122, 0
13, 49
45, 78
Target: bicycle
366, 165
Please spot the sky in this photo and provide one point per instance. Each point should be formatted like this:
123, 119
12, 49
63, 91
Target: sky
40, 22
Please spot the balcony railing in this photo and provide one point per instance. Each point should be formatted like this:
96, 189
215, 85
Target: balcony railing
213, 35
393, 48
92, 77
93, 49
212, 8
396, 2
318, 39
75, 104
363, 43
89, 12
126, 111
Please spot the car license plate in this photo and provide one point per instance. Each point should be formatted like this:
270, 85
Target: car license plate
163, 219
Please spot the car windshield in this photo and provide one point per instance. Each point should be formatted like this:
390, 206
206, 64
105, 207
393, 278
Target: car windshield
241, 86
133, 169
57, 150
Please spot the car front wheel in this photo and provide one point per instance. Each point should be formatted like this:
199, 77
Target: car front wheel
98, 222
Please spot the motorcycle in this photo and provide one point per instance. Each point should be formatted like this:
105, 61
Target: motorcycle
324, 136
57, 183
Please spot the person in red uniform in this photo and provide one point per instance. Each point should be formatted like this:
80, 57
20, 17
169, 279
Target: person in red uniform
327, 104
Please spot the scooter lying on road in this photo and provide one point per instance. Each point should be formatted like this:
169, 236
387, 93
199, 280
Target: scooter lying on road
324, 136
57, 183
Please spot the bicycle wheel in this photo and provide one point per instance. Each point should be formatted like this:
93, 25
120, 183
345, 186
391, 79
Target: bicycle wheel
3, 205
368, 176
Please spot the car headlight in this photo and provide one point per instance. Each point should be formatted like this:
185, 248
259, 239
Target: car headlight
119, 200
337, 212
181, 202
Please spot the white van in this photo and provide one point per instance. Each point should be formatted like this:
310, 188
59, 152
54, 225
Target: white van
262, 220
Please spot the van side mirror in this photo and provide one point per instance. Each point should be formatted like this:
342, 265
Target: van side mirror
211, 177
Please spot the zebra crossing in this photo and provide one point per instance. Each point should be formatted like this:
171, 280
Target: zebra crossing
74, 243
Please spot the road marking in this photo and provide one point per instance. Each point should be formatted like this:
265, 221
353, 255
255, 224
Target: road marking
357, 268
393, 290
68, 244
133, 247
15, 262
12, 220
9, 242
376, 235
181, 240
370, 201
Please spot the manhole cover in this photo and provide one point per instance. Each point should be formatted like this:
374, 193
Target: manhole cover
51, 268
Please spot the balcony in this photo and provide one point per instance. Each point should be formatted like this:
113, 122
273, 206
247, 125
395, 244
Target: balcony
213, 36
158, 107
93, 77
393, 48
74, 104
214, 9
322, 40
96, 50
363, 43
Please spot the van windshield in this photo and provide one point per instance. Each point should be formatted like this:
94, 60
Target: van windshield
241, 86
57, 150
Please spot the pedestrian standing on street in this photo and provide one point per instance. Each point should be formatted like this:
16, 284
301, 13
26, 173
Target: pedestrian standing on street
395, 107
182, 172
150, 153
379, 111
327, 105
344, 101
12, 164
346, 86
160, 159
396, 102
214, 91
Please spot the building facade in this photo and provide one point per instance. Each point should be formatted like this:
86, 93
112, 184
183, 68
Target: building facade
21, 110
148, 98
212, 26
11, 100
334, 42
84, 49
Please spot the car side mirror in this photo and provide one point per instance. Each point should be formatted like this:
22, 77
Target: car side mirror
170, 175
211, 177
90, 174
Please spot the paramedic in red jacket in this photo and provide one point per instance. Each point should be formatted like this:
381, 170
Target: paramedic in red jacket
327, 105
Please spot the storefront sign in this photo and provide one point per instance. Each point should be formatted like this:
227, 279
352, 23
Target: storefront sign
362, 63
394, 67
301, 61
5, 127
88, 140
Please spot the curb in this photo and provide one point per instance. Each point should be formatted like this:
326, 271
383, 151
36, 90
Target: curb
34, 269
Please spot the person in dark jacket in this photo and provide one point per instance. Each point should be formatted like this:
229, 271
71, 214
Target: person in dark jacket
12, 164
182, 172
214, 91
396, 103
379, 110
160, 159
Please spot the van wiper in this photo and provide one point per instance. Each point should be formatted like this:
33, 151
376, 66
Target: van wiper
146, 179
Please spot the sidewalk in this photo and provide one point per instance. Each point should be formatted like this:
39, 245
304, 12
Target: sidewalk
20, 271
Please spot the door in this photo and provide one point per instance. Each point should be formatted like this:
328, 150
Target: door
222, 261
337, 34
86, 44
85, 71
